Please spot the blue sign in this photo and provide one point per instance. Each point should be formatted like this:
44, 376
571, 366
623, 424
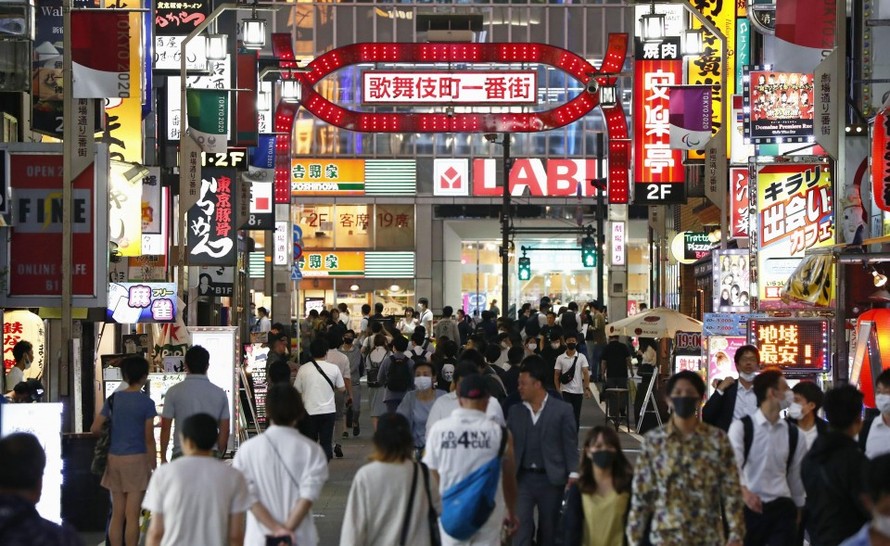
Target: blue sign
295, 273
298, 234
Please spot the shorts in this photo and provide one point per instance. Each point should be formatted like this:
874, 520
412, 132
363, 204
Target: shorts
375, 401
127, 473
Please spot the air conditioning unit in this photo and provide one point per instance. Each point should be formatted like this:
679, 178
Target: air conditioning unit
449, 36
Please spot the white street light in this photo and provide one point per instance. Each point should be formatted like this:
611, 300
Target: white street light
653, 25
291, 90
608, 95
693, 42
253, 32
217, 47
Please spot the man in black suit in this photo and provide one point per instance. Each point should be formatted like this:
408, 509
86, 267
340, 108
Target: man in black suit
730, 401
546, 451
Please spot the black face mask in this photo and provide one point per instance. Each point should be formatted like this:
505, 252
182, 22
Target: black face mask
685, 406
603, 459
571, 346
347, 341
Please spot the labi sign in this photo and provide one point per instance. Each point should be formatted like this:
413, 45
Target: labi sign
530, 177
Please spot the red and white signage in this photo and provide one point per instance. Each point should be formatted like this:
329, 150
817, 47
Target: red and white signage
880, 161
619, 238
101, 59
739, 209
531, 177
470, 87
658, 169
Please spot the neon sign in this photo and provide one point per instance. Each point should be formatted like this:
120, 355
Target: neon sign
440, 88
791, 344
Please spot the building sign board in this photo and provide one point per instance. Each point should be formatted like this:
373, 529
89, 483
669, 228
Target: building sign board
791, 344
530, 177
441, 87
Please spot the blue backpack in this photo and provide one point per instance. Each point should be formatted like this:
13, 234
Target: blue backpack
468, 504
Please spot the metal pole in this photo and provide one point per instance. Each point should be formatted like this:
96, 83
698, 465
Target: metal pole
840, 370
68, 154
600, 212
505, 230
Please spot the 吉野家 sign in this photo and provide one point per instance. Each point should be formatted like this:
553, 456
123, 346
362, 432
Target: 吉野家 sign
129, 303
331, 263
328, 176
778, 106
469, 87
791, 344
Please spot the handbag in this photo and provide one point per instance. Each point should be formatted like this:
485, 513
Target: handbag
103, 443
568, 375
432, 516
406, 523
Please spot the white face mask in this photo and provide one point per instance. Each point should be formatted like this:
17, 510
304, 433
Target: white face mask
882, 402
881, 524
786, 402
532, 346
795, 411
423, 383
749, 377
555, 345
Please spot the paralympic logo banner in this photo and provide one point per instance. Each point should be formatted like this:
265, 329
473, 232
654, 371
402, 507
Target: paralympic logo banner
101, 59
208, 118
690, 117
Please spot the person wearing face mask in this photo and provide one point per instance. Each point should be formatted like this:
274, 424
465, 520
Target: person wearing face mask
875, 436
425, 317
352, 352
803, 411
877, 498
531, 346
23, 352
572, 376
832, 472
684, 475
734, 399
417, 404
771, 484
595, 511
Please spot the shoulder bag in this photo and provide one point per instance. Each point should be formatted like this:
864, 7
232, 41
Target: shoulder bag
406, 523
568, 375
432, 516
326, 378
103, 443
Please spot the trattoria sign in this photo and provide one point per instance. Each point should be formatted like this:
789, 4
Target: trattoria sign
470, 87
531, 177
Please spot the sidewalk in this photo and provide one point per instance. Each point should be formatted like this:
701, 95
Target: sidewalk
330, 507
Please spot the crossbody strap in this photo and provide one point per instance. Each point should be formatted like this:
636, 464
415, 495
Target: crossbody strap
326, 378
407, 522
284, 464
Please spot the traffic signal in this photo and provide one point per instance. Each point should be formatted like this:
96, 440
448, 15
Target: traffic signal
588, 252
525, 269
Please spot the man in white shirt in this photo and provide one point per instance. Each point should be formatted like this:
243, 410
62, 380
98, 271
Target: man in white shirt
444, 406
578, 387
734, 399
263, 324
23, 353
285, 473
875, 435
318, 381
196, 499
426, 316
341, 399
768, 455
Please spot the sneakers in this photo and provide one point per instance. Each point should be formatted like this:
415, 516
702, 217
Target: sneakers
338, 451
356, 430
345, 435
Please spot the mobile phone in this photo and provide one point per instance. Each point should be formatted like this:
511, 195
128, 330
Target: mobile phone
278, 541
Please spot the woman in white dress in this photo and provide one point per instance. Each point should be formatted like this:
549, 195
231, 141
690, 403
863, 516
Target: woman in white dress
408, 323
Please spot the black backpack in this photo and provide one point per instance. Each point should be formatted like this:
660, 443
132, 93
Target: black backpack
532, 327
569, 322
748, 439
399, 377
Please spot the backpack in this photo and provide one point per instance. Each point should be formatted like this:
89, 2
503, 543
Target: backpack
793, 436
399, 377
467, 505
374, 370
424, 353
532, 327
443, 328
569, 322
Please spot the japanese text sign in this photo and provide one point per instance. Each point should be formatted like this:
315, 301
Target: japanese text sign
731, 281
791, 344
24, 326
450, 87
794, 213
328, 176
129, 303
210, 221
619, 240
330, 263
880, 161
778, 106
739, 207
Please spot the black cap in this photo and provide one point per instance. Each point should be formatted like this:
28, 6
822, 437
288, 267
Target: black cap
473, 387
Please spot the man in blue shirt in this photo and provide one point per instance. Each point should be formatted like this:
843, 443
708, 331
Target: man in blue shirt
877, 500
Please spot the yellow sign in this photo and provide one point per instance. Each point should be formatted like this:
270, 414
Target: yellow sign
123, 117
706, 68
328, 177
332, 263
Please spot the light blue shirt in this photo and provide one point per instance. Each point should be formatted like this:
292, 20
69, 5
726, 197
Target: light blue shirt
196, 394
859, 539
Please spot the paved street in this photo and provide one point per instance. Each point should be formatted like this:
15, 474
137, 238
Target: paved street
329, 509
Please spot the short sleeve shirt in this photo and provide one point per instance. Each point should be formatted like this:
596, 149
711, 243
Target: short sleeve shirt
564, 364
195, 394
616, 354
131, 410
197, 496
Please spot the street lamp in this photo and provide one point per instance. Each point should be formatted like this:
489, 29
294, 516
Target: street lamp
217, 47
291, 90
693, 42
253, 33
608, 95
505, 219
653, 25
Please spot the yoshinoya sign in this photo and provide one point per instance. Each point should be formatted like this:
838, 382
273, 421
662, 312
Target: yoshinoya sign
469, 87
532, 177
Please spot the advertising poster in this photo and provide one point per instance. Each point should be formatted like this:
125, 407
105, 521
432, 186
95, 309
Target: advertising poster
216, 281
794, 213
211, 222
732, 281
721, 357
173, 21
791, 344
24, 326
739, 203
131, 303
880, 166
779, 106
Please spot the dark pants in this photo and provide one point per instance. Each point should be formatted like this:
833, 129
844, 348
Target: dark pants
535, 490
320, 428
776, 526
575, 400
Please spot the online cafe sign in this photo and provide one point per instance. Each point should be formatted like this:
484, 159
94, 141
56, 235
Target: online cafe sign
531, 177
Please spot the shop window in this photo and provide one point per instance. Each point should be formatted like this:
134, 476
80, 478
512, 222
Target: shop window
317, 223
395, 227
352, 226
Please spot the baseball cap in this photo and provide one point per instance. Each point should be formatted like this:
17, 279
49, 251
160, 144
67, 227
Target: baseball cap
473, 387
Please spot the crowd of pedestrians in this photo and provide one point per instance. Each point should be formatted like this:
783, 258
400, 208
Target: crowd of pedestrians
476, 441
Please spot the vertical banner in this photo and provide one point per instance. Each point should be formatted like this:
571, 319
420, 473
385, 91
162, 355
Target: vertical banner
101, 60
658, 170
208, 118
123, 116
246, 118
690, 117
715, 171
826, 126
190, 183
804, 32
742, 47
794, 213
739, 207
707, 68
125, 207
880, 166
261, 176
211, 230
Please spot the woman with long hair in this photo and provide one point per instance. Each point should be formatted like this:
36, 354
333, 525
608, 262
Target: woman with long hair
393, 500
596, 506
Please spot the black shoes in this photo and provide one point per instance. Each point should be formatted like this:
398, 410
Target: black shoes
356, 430
338, 451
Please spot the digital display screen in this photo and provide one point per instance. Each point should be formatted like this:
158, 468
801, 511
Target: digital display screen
792, 344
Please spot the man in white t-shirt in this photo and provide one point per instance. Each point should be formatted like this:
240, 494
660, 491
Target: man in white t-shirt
444, 406
451, 460
578, 388
23, 352
318, 381
196, 499
426, 316
341, 399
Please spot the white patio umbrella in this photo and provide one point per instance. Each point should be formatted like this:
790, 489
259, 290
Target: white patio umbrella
658, 322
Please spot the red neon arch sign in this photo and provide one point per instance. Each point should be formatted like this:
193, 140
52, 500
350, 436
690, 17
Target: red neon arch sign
572, 64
